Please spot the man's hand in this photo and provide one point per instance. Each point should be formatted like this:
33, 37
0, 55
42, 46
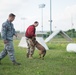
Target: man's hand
33, 38
5, 41
15, 35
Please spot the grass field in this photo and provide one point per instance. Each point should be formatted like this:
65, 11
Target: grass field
57, 61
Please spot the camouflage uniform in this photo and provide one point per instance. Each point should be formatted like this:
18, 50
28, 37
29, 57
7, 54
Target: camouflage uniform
7, 34
31, 46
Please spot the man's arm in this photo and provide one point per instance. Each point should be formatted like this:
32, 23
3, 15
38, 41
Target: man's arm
14, 32
4, 32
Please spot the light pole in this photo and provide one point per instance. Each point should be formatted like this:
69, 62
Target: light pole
42, 6
23, 19
50, 18
72, 24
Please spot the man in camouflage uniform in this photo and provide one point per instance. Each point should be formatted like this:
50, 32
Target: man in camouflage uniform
7, 34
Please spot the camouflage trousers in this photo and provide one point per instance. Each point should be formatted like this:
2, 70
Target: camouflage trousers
31, 47
8, 49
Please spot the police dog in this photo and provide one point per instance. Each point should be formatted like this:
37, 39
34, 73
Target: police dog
42, 50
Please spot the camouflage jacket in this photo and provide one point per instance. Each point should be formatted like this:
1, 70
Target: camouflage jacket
7, 31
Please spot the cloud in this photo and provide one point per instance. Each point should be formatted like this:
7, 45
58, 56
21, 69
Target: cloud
10, 6
66, 18
69, 12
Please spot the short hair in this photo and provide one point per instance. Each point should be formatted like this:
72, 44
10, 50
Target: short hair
36, 22
11, 15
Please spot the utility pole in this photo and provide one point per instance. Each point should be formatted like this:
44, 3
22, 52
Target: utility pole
50, 18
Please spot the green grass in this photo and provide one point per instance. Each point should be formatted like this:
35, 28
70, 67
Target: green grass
57, 61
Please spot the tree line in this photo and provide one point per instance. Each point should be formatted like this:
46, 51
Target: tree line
71, 33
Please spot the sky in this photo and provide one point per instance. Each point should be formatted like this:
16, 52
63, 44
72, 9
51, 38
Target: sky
63, 14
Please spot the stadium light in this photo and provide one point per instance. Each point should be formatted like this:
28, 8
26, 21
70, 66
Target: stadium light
23, 19
42, 6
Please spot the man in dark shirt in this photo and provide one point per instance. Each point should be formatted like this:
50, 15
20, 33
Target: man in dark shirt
30, 37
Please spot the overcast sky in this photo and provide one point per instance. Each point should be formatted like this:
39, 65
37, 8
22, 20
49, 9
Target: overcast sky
63, 13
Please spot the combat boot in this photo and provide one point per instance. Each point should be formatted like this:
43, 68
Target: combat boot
16, 63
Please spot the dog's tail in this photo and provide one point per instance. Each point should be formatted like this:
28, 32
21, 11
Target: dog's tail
44, 53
